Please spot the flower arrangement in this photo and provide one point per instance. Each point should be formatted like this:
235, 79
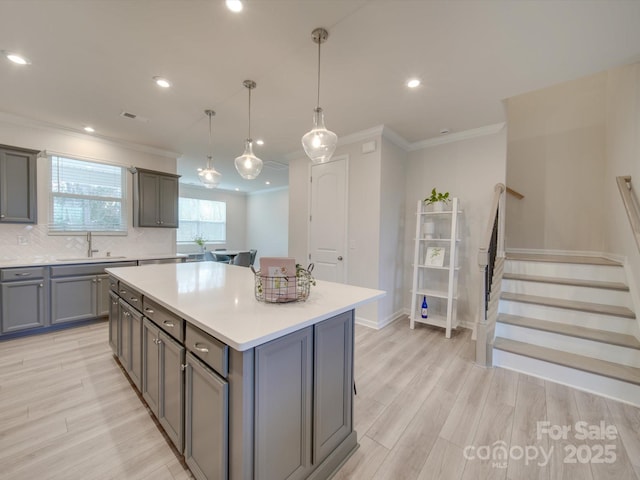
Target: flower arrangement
200, 241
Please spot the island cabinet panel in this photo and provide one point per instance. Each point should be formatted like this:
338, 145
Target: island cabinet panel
171, 406
114, 323
206, 421
283, 396
130, 334
163, 379
333, 381
150, 365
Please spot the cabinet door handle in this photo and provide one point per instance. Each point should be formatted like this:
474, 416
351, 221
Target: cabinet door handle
112, 285
133, 299
169, 323
183, 367
126, 314
148, 310
41, 285
123, 291
2, 216
24, 274
200, 348
94, 280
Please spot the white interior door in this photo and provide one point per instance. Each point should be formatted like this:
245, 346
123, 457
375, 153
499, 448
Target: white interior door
328, 220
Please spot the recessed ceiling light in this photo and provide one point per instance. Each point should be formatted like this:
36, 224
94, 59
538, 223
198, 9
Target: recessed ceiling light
237, 189
234, 5
259, 142
16, 58
413, 83
89, 129
162, 82
267, 182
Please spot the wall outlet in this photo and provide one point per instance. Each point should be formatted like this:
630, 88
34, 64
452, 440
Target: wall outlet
23, 240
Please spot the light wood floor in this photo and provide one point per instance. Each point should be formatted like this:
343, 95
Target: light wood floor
67, 412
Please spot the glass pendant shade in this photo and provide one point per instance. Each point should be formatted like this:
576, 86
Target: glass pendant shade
248, 165
209, 176
319, 143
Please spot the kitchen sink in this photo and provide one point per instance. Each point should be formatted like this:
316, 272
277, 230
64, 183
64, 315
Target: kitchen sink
84, 259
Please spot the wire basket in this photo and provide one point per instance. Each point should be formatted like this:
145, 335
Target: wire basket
294, 288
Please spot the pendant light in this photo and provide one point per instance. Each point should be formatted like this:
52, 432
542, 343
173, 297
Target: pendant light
319, 143
248, 165
209, 176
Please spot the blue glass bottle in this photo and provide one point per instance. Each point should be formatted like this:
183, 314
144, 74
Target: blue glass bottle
424, 312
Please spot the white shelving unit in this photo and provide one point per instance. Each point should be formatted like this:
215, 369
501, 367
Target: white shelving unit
435, 266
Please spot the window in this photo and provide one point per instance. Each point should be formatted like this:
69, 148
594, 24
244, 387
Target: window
206, 218
87, 196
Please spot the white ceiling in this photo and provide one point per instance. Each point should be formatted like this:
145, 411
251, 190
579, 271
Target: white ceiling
93, 59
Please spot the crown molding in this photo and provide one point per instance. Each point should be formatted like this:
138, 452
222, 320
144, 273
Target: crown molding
16, 120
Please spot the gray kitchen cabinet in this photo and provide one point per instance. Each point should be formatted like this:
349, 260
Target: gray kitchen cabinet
124, 352
135, 351
17, 185
163, 379
333, 381
206, 419
114, 323
81, 291
23, 301
155, 199
79, 298
283, 407
150, 365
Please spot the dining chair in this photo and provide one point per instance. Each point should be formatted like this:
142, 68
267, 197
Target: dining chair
243, 259
210, 256
222, 258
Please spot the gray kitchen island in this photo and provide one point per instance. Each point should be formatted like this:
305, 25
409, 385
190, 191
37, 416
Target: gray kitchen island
243, 389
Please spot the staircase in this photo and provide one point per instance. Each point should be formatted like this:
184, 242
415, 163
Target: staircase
569, 319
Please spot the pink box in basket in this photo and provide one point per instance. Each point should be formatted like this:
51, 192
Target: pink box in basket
279, 278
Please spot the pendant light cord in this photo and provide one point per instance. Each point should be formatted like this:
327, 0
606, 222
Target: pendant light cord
319, 43
249, 137
210, 146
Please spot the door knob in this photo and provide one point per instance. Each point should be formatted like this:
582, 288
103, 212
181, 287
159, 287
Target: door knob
340, 258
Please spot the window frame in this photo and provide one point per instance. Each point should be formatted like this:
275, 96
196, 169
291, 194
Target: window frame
124, 200
182, 222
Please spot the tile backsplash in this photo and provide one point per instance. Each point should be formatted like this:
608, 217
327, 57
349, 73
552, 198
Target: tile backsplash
19, 241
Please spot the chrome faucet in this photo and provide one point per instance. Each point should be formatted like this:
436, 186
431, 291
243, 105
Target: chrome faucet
90, 250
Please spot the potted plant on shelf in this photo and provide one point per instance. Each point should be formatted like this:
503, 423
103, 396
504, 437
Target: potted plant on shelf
200, 241
437, 200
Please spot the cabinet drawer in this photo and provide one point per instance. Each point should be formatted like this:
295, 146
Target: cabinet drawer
130, 295
208, 349
166, 320
113, 284
24, 273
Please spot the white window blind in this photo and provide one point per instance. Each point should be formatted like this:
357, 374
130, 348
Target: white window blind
206, 218
87, 196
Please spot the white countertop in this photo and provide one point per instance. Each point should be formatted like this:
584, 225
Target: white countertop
48, 261
219, 299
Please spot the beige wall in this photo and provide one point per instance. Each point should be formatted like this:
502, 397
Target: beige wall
623, 158
556, 159
467, 169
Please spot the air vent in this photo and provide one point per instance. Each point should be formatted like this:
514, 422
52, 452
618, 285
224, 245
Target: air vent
133, 116
275, 165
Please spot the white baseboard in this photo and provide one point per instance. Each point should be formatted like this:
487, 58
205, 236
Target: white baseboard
365, 322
